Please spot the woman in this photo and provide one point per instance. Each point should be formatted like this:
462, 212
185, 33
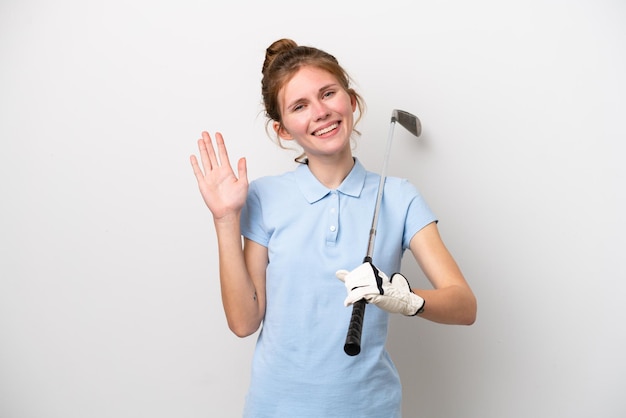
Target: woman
304, 229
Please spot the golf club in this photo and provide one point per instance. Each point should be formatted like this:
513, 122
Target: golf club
412, 124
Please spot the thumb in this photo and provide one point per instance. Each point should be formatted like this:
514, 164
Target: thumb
341, 274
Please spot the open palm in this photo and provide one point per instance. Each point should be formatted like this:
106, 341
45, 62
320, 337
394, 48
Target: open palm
222, 191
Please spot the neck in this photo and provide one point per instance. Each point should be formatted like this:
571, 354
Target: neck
331, 173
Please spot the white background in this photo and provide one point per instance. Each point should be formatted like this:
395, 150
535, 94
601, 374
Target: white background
109, 296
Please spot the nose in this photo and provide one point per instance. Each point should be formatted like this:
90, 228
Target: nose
320, 111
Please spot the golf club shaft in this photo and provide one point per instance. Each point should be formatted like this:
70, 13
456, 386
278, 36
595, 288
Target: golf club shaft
352, 346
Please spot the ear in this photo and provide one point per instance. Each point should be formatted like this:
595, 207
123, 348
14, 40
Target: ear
281, 131
353, 102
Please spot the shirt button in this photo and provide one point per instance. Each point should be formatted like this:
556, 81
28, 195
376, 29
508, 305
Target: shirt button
333, 228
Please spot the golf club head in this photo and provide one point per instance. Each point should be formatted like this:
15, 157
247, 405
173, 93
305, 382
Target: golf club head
409, 121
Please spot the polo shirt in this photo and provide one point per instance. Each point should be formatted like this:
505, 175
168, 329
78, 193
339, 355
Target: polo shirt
299, 368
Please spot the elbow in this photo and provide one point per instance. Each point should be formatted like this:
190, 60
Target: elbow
243, 330
243, 322
469, 319
461, 310
242, 334
470, 313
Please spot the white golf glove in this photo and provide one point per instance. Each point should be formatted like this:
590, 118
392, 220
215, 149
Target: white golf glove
393, 295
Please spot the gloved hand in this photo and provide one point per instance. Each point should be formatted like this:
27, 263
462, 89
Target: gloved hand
393, 295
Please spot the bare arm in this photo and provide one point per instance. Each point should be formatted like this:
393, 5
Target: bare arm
242, 269
242, 280
451, 301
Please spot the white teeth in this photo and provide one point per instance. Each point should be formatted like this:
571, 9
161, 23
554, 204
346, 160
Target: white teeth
326, 130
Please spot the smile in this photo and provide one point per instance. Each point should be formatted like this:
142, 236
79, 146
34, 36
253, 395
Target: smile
326, 130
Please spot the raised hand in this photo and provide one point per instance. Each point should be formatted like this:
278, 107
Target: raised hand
222, 191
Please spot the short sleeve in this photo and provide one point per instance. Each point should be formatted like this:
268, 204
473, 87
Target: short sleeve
252, 226
418, 214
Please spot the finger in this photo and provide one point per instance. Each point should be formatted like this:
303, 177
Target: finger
211, 159
197, 171
221, 149
204, 154
341, 274
242, 170
355, 296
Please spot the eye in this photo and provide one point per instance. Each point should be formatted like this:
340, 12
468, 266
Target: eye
328, 93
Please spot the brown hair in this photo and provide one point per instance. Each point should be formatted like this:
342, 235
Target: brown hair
283, 59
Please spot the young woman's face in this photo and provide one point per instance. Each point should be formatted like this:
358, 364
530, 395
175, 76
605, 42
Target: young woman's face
317, 113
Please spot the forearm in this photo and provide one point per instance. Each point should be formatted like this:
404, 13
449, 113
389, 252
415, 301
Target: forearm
451, 301
243, 303
454, 305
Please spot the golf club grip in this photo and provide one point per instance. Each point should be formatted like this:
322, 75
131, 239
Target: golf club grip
352, 346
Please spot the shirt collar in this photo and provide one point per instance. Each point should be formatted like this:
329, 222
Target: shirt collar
313, 190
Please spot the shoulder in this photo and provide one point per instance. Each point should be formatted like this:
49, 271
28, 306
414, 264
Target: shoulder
404, 195
401, 186
272, 183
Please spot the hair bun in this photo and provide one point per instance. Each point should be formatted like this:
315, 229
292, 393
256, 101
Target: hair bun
275, 49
